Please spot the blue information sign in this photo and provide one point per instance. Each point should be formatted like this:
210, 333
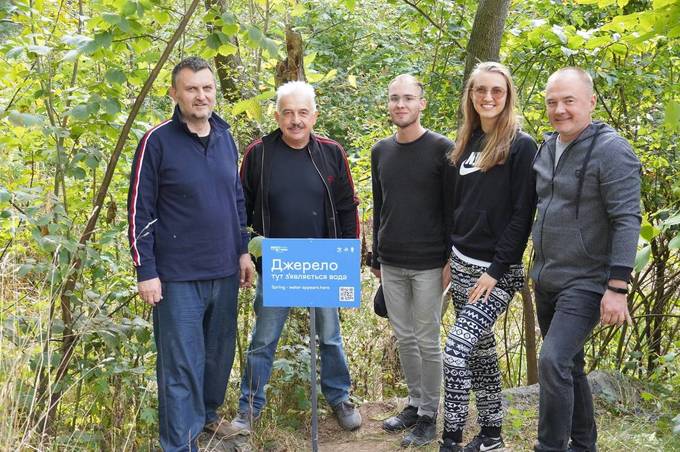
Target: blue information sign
322, 273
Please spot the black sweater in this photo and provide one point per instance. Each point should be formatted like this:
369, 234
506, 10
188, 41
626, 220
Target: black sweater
408, 220
489, 214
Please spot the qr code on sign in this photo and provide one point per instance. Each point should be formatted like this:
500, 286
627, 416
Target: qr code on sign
346, 293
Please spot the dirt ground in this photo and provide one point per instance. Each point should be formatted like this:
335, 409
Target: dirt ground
617, 431
369, 438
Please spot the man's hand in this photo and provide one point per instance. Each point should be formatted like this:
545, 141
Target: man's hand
376, 272
446, 275
614, 309
150, 291
247, 272
482, 288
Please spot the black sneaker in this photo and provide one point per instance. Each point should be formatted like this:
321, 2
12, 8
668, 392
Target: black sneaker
423, 433
406, 419
449, 445
483, 443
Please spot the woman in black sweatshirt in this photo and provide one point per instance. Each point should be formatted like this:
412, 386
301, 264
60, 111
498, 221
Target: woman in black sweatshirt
490, 200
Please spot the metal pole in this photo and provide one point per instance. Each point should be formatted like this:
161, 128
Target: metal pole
312, 378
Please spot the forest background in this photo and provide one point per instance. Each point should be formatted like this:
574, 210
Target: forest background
82, 81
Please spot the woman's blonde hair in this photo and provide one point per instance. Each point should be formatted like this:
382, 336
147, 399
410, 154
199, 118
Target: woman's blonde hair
497, 142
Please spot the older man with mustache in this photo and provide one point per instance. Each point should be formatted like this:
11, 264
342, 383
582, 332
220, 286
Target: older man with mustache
297, 185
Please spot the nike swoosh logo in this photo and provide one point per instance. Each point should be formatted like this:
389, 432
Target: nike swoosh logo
467, 169
483, 448
468, 165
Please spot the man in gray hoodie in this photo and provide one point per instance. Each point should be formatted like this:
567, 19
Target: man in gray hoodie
585, 237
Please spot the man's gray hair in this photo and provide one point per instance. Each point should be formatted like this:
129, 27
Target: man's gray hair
193, 62
297, 88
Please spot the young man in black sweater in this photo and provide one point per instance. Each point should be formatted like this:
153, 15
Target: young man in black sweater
409, 251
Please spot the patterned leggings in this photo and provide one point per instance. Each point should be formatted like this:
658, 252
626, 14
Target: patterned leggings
470, 360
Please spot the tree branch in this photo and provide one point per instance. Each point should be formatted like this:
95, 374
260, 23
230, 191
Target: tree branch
70, 341
426, 16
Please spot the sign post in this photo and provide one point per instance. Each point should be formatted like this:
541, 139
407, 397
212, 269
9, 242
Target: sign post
313, 273
312, 378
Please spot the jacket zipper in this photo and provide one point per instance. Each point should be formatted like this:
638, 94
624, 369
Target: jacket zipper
264, 227
552, 194
328, 192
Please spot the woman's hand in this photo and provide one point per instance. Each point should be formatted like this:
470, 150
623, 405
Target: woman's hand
482, 288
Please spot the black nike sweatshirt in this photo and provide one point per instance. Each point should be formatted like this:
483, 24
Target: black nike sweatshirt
489, 214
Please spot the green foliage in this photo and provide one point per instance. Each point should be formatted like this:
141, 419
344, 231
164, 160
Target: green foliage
71, 72
660, 394
255, 246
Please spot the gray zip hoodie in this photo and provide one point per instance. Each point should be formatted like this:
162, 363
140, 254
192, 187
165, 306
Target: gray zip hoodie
588, 212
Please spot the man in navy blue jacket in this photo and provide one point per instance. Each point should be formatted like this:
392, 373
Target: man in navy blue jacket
297, 185
190, 248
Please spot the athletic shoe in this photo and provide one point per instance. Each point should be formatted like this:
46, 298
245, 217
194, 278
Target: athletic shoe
406, 419
347, 415
483, 443
572, 448
244, 421
223, 429
448, 445
423, 433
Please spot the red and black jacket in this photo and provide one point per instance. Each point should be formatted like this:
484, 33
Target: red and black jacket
330, 161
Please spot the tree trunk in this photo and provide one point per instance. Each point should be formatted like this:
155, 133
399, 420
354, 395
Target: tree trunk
227, 71
486, 35
660, 257
227, 67
292, 68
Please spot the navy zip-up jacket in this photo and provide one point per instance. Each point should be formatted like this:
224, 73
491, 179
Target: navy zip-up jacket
186, 210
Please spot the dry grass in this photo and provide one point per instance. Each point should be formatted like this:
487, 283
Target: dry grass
616, 433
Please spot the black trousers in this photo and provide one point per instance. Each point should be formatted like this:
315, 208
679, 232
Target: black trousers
566, 319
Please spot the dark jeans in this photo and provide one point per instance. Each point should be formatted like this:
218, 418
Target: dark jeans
269, 321
566, 319
195, 331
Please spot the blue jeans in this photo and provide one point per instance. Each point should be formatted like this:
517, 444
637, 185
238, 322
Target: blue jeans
269, 321
195, 331
565, 407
